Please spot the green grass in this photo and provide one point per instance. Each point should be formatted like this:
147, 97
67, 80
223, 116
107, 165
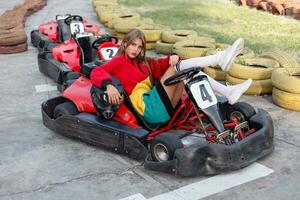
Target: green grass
224, 21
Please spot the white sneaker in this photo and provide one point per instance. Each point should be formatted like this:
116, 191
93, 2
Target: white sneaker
236, 91
230, 53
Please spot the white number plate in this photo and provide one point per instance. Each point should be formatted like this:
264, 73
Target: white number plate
108, 52
76, 27
203, 94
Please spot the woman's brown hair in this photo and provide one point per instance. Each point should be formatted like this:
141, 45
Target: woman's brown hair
129, 38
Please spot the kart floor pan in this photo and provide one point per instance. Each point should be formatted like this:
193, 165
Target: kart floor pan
208, 158
99, 132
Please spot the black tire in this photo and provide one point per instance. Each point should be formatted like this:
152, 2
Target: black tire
66, 108
163, 146
241, 110
71, 76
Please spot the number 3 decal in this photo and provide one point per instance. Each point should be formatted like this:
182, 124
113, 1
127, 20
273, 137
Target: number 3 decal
76, 27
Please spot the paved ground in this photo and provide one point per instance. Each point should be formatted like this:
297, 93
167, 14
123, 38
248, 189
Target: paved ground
36, 163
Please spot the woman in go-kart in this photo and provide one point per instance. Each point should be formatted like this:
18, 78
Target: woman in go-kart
156, 102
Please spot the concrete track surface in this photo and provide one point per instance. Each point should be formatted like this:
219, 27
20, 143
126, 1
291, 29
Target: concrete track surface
36, 163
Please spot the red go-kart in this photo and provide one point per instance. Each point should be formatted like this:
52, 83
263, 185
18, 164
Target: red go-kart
50, 34
68, 60
206, 135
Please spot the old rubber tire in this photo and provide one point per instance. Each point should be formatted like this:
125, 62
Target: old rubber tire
163, 47
286, 100
285, 60
150, 45
246, 53
163, 147
283, 81
241, 110
66, 108
126, 26
215, 73
192, 48
173, 36
254, 68
123, 18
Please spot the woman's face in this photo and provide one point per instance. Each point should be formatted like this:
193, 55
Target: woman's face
135, 48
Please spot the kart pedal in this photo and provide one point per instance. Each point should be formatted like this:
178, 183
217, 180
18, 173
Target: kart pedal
240, 130
244, 126
224, 137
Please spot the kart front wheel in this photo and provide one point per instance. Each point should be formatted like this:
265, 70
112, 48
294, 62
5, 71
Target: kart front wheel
66, 108
241, 110
163, 147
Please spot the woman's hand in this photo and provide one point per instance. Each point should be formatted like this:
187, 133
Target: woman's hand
113, 94
173, 60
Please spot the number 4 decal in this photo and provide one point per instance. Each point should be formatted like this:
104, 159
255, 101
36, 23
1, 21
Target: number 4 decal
203, 94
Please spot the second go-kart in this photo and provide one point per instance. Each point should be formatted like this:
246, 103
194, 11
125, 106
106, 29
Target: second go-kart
206, 135
68, 60
51, 34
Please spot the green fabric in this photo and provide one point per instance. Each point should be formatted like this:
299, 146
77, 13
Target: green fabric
155, 111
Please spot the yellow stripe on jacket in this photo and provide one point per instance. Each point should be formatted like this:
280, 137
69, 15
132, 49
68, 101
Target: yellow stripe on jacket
136, 96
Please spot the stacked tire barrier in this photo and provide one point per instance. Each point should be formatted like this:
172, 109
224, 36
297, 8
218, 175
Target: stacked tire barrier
13, 38
285, 81
120, 21
258, 69
286, 91
277, 7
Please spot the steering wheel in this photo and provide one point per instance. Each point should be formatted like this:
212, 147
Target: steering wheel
104, 38
182, 75
57, 16
73, 17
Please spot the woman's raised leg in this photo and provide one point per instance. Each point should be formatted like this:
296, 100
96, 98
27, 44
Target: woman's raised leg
223, 58
174, 92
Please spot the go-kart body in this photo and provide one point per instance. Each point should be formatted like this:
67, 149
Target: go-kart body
197, 154
50, 34
73, 57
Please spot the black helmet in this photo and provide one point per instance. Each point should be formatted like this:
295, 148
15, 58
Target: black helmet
100, 100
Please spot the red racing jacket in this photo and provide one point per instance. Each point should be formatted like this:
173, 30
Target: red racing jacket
133, 75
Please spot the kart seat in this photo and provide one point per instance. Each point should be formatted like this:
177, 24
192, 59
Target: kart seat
139, 118
89, 55
102, 108
64, 29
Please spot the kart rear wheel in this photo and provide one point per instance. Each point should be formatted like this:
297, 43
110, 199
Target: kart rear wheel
163, 146
241, 110
66, 108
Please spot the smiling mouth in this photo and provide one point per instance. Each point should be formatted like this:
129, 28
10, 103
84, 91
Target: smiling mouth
133, 53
